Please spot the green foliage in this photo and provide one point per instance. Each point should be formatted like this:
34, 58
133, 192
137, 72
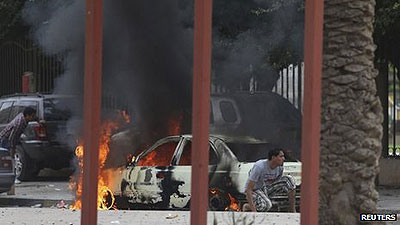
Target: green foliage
10, 15
387, 30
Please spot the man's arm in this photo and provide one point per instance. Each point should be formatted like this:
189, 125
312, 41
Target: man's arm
249, 195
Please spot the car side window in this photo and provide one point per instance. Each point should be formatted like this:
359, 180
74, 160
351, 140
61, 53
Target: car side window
5, 112
160, 156
228, 111
18, 107
186, 156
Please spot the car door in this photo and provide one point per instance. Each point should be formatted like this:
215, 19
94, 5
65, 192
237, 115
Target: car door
183, 172
147, 181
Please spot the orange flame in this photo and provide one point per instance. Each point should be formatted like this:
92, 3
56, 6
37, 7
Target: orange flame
159, 157
105, 197
148, 160
233, 203
234, 206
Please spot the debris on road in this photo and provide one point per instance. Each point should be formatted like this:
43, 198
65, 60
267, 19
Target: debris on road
37, 206
171, 216
62, 205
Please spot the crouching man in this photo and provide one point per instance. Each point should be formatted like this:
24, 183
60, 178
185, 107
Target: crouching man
265, 180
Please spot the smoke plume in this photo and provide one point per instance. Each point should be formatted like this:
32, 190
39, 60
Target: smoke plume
147, 50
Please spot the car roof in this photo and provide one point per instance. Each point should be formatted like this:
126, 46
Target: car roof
33, 96
21, 95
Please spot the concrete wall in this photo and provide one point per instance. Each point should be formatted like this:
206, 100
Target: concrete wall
389, 174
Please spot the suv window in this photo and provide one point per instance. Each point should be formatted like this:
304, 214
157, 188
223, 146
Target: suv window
21, 105
55, 109
228, 111
5, 112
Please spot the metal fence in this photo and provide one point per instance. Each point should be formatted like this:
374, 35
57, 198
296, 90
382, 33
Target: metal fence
393, 111
18, 57
21, 56
290, 84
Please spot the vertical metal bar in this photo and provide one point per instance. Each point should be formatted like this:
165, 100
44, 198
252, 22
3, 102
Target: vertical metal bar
9, 76
294, 89
1, 70
394, 109
14, 68
49, 68
282, 75
48, 71
7, 58
287, 83
51, 71
312, 108
44, 71
38, 61
23, 52
201, 111
299, 90
92, 105
386, 100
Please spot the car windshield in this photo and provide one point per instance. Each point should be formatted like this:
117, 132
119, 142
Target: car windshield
251, 152
56, 109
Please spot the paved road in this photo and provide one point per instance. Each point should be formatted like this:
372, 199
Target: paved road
41, 196
44, 216
58, 189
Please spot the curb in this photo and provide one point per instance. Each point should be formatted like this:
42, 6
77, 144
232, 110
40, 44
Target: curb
35, 203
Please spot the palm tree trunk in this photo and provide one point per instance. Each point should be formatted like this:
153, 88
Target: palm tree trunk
351, 123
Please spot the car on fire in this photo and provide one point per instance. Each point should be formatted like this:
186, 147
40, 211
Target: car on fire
160, 177
44, 144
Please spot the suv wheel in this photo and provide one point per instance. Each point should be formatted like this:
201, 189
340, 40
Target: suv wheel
22, 164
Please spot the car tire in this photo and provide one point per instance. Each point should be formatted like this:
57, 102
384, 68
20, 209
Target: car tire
218, 200
23, 165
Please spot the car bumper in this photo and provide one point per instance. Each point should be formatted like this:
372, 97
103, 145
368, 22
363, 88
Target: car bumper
6, 181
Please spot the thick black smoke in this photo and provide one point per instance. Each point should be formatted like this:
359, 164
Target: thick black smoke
147, 54
147, 50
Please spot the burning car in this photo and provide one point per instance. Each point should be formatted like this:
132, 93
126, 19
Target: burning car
160, 177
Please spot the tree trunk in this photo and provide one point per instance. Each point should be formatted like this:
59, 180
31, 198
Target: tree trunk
351, 120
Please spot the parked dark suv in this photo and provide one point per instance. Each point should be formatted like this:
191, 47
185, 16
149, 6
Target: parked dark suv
44, 144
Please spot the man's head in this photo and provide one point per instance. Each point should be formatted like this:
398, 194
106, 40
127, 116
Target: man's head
29, 114
276, 156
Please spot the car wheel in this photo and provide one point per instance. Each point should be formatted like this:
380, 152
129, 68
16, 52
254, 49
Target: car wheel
23, 166
218, 200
